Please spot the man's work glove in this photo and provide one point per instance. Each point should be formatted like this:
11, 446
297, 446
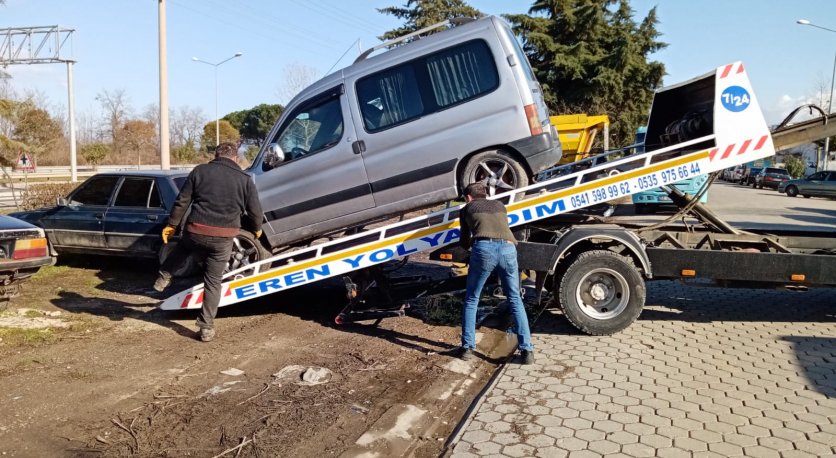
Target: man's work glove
258, 233
168, 232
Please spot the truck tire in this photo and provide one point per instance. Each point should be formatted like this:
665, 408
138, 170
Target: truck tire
601, 292
498, 169
792, 191
246, 249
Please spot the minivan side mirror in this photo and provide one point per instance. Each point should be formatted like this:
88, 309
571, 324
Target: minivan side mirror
273, 156
61, 202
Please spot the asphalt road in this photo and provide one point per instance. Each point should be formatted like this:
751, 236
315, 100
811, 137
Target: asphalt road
748, 208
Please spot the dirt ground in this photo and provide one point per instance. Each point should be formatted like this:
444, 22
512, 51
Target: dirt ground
124, 378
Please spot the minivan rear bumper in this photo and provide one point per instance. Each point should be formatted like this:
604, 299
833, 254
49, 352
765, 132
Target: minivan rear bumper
540, 151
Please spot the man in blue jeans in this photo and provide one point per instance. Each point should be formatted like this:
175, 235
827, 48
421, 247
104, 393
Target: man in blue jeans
485, 231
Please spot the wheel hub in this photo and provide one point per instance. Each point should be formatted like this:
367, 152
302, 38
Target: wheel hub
599, 291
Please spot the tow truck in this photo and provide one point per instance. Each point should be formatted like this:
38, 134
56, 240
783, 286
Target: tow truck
597, 271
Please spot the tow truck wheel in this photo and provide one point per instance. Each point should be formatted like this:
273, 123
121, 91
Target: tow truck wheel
498, 169
601, 292
792, 191
246, 249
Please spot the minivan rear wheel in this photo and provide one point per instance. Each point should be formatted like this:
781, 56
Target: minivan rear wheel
497, 169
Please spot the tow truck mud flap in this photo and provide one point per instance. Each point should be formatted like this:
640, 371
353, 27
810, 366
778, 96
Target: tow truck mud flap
701, 126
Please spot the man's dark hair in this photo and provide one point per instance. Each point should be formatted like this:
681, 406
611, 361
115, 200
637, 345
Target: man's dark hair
476, 190
227, 150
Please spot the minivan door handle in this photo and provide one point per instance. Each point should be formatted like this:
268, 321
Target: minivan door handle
359, 146
151, 217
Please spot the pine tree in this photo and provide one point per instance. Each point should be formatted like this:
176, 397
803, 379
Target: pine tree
423, 13
592, 57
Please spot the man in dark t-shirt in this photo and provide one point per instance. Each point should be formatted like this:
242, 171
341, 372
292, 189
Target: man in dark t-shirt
485, 231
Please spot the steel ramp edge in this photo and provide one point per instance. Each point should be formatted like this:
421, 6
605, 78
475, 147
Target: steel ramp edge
740, 135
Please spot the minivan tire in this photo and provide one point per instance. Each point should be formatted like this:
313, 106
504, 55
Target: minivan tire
486, 165
246, 249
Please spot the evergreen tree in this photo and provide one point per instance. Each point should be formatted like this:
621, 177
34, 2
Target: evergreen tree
418, 14
592, 57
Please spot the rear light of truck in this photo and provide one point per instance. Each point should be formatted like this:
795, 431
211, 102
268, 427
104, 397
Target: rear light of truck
533, 120
30, 248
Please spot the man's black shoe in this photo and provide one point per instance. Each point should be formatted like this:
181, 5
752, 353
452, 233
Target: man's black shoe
527, 356
163, 282
464, 354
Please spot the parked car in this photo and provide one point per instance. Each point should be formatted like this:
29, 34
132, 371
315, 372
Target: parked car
819, 184
405, 129
648, 201
23, 251
770, 177
747, 177
122, 214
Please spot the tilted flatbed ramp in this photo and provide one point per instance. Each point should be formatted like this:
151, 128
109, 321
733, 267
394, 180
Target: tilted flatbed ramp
697, 127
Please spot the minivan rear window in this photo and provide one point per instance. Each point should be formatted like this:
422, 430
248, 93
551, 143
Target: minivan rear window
426, 85
521, 58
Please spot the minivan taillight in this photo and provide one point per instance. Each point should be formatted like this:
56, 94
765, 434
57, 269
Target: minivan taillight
30, 248
533, 120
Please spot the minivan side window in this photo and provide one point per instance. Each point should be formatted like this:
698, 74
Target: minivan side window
425, 85
95, 191
315, 127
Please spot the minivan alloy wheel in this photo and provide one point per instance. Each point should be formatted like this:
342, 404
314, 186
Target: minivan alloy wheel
497, 169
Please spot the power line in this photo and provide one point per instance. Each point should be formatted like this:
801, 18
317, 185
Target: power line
257, 30
319, 8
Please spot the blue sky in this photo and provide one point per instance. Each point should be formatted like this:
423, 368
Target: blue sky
115, 45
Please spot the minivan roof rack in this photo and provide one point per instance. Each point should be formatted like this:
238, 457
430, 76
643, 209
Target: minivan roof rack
386, 44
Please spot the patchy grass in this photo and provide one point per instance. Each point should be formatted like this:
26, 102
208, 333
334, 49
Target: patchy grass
84, 322
51, 271
18, 337
12, 337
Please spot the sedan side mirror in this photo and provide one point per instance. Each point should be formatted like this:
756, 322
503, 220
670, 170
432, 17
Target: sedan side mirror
61, 201
273, 157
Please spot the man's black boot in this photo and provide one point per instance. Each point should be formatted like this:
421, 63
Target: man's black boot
163, 282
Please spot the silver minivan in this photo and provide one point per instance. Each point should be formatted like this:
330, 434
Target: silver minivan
405, 129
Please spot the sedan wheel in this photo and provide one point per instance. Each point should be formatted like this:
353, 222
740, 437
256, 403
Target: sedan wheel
792, 191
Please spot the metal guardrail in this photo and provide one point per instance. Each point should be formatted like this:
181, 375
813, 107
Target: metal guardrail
60, 171
12, 181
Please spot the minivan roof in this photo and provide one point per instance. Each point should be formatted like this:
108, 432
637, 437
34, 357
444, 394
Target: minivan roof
400, 53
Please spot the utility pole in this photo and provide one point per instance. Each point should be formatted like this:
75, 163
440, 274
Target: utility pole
165, 158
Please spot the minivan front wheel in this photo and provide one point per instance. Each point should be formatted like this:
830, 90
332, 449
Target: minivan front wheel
497, 169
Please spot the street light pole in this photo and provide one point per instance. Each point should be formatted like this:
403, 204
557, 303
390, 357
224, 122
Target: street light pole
217, 119
830, 102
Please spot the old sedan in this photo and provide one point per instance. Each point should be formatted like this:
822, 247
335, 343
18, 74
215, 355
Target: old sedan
821, 184
23, 251
123, 214
118, 213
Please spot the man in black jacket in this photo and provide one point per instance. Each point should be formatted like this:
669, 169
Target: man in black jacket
222, 197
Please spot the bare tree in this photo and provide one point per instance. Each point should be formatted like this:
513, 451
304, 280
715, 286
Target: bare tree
295, 77
116, 108
187, 126
821, 91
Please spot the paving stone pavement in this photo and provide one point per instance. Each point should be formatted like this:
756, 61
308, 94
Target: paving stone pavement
704, 372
